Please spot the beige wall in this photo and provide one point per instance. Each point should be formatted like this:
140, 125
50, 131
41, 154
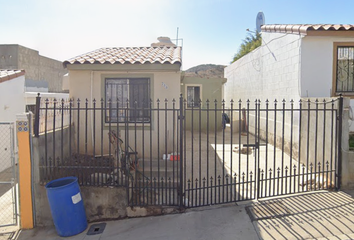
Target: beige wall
89, 84
211, 89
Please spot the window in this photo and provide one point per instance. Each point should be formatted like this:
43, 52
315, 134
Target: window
344, 69
193, 96
133, 95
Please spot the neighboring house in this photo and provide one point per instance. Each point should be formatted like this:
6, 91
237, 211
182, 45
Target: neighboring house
12, 88
14, 100
37, 67
126, 74
18, 95
196, 91
294, 62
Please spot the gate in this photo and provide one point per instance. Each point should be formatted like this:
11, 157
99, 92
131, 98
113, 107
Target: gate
251, 150
8, 213
190, 154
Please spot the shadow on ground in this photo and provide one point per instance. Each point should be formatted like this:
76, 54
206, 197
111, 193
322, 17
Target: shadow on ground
307, 216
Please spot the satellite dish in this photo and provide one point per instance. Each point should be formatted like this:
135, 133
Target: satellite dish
260, 20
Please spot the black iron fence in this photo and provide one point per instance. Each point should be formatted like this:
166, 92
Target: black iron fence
167, 153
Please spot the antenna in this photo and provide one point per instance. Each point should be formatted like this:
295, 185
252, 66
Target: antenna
260, 20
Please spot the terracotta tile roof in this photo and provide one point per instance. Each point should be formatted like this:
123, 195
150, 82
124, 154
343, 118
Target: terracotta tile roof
129, 55
305, 28
6, 75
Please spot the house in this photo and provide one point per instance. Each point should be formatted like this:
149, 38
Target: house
40, 70
197, 91
120, 76
12, 88
18, 95
306, 63
296, 61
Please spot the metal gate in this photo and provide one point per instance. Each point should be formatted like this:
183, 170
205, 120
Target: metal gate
251, 150
190, 154
8, 213
205, 153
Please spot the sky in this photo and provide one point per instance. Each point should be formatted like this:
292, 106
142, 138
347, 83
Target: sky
212, 30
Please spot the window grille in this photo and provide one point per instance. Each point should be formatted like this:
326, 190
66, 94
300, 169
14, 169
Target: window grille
129, 97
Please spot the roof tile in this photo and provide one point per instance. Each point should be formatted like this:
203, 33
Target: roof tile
6, 75
304, 28
130, 55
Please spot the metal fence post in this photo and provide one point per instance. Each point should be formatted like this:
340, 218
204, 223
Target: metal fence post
340, 125
181, 129
36, 118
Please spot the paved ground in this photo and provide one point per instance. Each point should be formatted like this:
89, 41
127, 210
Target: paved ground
319, 215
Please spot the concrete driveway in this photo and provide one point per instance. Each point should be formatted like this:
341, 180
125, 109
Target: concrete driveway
318, 215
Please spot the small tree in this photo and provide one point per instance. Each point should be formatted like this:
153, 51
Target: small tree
251, 42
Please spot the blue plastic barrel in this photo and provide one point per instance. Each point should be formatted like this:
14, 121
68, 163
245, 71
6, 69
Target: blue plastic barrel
66, 205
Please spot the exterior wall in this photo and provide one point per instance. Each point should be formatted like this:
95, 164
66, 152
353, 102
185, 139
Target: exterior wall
12, 99
163, 86
317, 66
100, 203
212, 90
36, 66
347, 156
318, 134
270, 71
9, 57
288, 67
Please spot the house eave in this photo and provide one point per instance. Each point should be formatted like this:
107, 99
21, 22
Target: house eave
126, 67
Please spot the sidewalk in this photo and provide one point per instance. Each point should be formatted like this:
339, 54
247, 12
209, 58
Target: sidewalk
319, 215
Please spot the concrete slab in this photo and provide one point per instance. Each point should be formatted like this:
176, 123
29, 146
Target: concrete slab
223, 222
318, 215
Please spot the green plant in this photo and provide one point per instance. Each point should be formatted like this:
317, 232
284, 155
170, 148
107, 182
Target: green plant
251, 42
351, 142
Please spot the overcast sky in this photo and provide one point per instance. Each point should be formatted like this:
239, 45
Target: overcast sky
212, 30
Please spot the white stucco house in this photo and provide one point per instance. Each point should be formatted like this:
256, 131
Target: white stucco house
12, 88
294, 62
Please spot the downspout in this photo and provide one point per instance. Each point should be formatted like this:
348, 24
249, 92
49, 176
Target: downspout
91, 103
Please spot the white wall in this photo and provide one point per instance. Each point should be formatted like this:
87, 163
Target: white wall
317, 67
12, 99
271, 71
